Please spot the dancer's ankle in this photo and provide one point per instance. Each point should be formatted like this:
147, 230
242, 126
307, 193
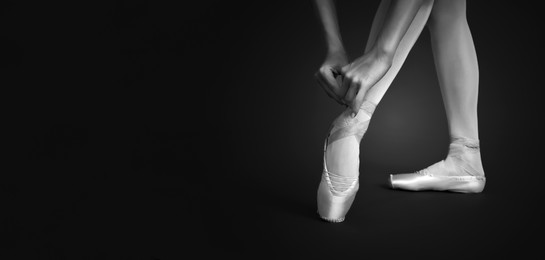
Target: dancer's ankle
342, 150
466, 151
466, 141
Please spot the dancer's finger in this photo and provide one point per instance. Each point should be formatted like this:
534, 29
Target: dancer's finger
352, 91
328, 75
346, 68
325, 83
356, 103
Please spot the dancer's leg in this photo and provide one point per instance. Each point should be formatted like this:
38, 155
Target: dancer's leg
457, 69
456, 65
391, 26
376, 93
458, 74
343, 155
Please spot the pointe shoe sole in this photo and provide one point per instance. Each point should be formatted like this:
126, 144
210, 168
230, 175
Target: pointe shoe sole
418, 182
332, 220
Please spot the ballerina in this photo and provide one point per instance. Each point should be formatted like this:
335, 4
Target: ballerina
361, 84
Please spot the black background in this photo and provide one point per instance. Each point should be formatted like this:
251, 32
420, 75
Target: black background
186, 130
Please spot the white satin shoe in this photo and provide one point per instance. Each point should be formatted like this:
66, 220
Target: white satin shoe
333, 204
463, 167
336, 192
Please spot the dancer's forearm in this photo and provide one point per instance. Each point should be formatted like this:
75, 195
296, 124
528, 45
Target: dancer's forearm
326, 10
398, 19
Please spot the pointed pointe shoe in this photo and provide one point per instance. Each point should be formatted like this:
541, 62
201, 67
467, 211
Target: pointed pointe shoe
336, 193
420, 182
334, 204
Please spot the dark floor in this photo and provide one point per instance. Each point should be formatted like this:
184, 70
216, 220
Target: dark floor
156, 130
87, 201
266, 214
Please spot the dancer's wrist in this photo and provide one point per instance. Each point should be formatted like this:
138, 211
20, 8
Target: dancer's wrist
336, 57
336, 50
385, 55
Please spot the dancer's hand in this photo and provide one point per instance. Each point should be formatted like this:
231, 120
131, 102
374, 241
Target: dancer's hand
361, 75
330, 78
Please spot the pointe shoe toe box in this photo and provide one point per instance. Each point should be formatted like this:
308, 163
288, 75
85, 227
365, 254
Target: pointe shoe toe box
333, 206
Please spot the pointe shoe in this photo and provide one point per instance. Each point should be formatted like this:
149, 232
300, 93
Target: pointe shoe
471, 181
421, 181
333, 204
336, 193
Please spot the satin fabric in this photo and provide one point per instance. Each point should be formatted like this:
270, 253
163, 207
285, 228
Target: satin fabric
460, 172
418, 182
333, 204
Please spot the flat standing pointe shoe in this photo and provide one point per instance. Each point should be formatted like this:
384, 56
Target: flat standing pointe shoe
460, 172
423, 181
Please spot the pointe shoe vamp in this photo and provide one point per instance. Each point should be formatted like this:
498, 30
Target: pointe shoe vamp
351, 190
